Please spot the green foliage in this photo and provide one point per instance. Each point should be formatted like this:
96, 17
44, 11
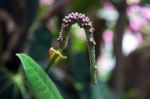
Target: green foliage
42, 86
78, 43
82, 5
145, 1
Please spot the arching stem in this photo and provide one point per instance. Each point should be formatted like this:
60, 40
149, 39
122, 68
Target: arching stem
83, 22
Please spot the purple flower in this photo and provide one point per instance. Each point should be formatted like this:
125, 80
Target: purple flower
79, 18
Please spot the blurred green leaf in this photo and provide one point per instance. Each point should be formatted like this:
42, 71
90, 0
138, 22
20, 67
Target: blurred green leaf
82, 5
78, 39
145, 1
42, 86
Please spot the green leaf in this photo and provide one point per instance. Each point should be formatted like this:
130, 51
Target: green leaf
42, 86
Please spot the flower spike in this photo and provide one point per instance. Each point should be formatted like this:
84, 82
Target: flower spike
84, 22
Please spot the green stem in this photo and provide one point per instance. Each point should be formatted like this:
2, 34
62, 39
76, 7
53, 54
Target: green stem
83, 22
23, 92
91, 50
48, 66
63, 40
52, 61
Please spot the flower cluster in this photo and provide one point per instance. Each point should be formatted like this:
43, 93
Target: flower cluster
79, 18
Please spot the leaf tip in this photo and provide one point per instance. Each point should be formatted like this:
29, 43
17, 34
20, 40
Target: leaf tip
17, 54
20, 55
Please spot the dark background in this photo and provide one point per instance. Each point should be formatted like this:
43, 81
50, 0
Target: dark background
32, 27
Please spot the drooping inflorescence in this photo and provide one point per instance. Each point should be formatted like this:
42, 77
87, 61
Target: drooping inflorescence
79, 18
85, 23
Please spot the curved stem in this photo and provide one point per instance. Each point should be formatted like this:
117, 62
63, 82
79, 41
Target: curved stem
83, 22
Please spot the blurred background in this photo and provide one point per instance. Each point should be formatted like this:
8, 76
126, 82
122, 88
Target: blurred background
122, 32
